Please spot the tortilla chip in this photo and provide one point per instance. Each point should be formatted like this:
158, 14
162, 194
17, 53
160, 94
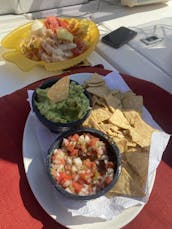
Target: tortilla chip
138, 161
105, 126
119, 120
117, 93
131, 116
132, 102
99, 91
140, 132
100, 115
60, 90
99, 101
112, 101
91, 122
131, 144
122, 144
95, 85
127, 94
128, 184
95, 79
139, 139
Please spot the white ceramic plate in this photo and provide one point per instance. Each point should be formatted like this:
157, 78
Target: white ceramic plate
46, 194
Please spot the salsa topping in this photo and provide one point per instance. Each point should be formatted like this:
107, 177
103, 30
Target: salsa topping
82, 165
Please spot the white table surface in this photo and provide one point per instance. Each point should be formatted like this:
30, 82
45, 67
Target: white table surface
127, 59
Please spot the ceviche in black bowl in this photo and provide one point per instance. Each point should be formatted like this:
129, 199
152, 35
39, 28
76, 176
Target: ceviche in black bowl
84, 164
61, 104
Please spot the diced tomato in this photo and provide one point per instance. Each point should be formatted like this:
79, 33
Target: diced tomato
93, 141
110, 164
92, 164
80, 44
83, 176
108, 180
63, 177
75, 137
81, 47
53, 23
77, 187
74, 175
53, 20
68, 167
63, 23
89, 164
74, 152
76, 51
70, 148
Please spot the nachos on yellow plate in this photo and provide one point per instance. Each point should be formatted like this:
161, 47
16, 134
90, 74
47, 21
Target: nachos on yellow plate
55, 43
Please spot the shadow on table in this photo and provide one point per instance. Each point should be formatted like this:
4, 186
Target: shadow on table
167, 155
112, 11
98, 11
46, 195
32, 205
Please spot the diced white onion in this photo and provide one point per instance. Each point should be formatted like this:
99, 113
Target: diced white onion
74, 169
78, 162
87, 139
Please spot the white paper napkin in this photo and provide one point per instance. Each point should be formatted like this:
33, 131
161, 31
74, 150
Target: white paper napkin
104, 207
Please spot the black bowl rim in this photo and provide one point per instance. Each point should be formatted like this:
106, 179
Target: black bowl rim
44, 120
104, 137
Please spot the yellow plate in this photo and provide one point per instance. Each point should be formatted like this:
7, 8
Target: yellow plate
13, 40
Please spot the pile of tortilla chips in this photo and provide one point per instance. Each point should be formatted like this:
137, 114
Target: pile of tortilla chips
118, 114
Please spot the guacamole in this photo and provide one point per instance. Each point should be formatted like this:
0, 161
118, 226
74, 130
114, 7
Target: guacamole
68, 110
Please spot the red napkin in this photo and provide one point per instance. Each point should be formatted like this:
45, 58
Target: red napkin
18, 206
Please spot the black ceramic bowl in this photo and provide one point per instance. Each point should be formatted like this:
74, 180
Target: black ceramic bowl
55, 126
113, 153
